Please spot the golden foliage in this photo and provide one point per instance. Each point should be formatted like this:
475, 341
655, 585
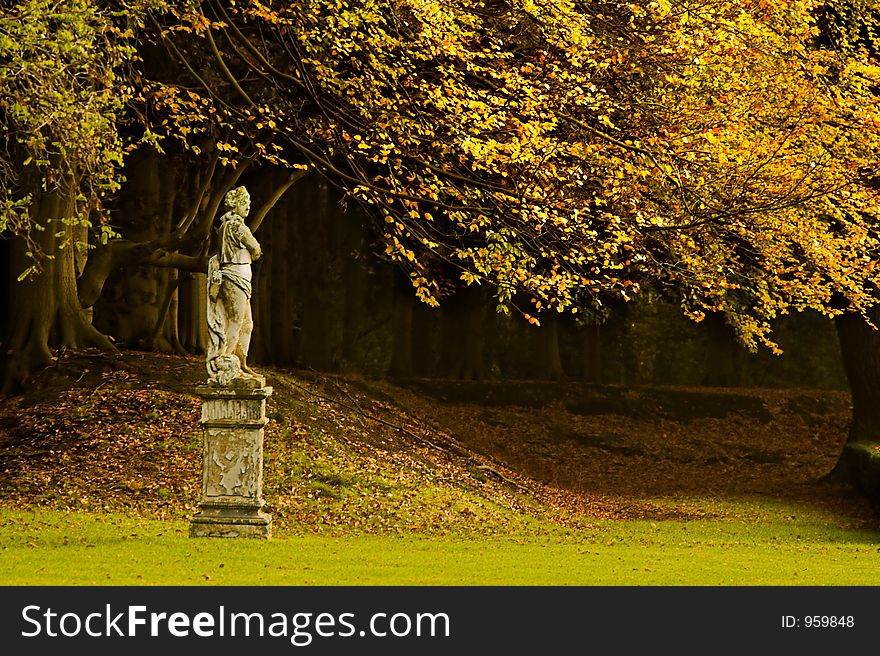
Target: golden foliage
564, 149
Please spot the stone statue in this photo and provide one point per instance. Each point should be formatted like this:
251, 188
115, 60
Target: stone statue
230, 321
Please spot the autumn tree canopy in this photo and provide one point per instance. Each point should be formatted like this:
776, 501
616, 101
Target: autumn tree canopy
561, 152
569, 150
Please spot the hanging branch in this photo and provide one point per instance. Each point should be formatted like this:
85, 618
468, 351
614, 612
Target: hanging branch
260, 214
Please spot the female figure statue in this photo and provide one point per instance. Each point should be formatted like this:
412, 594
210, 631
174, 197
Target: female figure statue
230, 322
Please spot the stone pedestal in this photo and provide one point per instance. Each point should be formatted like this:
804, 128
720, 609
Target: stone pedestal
233, 417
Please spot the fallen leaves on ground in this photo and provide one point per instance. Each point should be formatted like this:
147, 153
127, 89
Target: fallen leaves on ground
343, 453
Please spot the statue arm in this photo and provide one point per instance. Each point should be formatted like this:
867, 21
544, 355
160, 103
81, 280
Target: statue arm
250, 242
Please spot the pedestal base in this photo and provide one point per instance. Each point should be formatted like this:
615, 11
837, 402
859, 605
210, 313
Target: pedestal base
233, 418
207, 524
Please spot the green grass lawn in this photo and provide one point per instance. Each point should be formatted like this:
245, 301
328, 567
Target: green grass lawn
771, 547
391, 501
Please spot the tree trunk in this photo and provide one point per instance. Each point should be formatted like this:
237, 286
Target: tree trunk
424, 339
721, 368
282, 319
166, 329
317, 290
355, 284
592, 353
860, 348
44, 311
547, 338
624, 365
131, 306
402, 306
192, 311
264, 347
462, 340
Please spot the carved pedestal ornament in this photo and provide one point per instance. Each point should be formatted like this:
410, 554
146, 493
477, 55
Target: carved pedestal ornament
234, 397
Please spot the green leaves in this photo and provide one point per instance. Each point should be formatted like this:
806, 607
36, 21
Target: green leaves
60, 101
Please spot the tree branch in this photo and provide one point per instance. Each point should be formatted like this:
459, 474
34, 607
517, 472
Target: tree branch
193, 211
252, 49
260, 214
225, 69
101, 263
162, 258
203, 229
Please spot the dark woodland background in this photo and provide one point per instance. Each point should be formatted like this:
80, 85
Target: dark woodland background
325, 299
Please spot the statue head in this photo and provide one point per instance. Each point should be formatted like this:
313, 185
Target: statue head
238, 200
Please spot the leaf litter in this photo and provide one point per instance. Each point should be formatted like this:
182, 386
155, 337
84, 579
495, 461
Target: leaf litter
343, 453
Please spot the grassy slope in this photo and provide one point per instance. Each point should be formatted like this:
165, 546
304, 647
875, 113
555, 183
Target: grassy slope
369, 483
